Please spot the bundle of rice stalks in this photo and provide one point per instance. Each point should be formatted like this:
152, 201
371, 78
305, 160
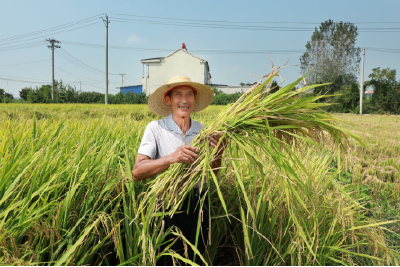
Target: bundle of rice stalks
259, 123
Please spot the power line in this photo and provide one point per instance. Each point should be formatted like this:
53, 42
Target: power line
387, 50
50, 29
24, 63
193, 51
213, 24
131, 80
93, 85
20, 68
44, 36
81, 62
23, 78
80, 77
21, 46
77, 62
208, 51
252, 22
22, 81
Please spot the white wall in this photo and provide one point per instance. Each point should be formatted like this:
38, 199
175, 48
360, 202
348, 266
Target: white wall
233, 89
179, 63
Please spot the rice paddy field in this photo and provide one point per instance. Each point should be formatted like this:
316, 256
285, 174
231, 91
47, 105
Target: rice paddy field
67, 196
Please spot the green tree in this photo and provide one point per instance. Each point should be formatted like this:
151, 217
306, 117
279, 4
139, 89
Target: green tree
90, 97
5, 97
216, 91
386, 96
40, 94
348, 100
274, 87
331, 55
132, 98
9, 96
383, 75
24, 93
224, 99
65, 93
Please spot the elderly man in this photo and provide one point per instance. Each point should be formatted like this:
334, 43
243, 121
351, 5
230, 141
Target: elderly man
167, 141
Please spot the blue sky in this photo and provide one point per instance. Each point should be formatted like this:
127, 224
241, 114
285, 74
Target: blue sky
28, 58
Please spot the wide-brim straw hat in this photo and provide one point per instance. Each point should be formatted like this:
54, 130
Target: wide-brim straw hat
157, 104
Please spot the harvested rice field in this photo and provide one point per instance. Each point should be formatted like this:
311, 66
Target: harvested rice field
67, 196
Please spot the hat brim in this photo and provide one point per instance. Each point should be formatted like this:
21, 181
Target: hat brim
157, 104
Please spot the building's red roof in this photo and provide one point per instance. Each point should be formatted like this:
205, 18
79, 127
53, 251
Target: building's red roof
369, 92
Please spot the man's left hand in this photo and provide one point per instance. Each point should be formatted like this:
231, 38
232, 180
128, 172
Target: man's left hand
214, 142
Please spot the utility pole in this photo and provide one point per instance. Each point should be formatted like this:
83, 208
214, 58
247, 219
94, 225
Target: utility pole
80, 86
52, 46
362, 82
106, 22
122, 79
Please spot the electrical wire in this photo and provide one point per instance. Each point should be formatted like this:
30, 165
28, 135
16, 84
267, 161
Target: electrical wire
250, 22
212, 26
209, 51
25, 63
44, 36
23, 78
23, 68
36, 81
131, 81
193, 51
62, 26
74, 62
77, 62
19, 80
80, 77
21, 46
93, 85
83, 63
236, 26
384, 50
80, 62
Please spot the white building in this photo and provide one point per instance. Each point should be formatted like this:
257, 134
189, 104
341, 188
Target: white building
178, 63
232, 89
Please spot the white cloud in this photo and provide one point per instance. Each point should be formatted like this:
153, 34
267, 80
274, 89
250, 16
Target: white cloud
133, 39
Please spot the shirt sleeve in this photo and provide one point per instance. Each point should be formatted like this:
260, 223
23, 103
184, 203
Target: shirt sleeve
148, 146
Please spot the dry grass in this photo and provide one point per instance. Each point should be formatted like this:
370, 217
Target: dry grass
379, 162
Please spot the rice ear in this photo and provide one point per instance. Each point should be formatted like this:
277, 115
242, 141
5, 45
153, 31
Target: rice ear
282, 118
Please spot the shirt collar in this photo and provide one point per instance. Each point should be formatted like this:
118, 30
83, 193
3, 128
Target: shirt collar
172, 126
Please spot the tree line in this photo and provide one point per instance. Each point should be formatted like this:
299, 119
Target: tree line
5, 97
65, 93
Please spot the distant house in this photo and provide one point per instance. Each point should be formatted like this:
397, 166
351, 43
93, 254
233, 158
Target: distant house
368, 94
178, 63
231, 89
137, 89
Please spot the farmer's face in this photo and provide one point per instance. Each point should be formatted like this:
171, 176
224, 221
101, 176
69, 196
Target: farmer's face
182, 101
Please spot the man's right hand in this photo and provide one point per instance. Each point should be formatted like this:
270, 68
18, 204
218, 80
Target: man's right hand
186, 154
